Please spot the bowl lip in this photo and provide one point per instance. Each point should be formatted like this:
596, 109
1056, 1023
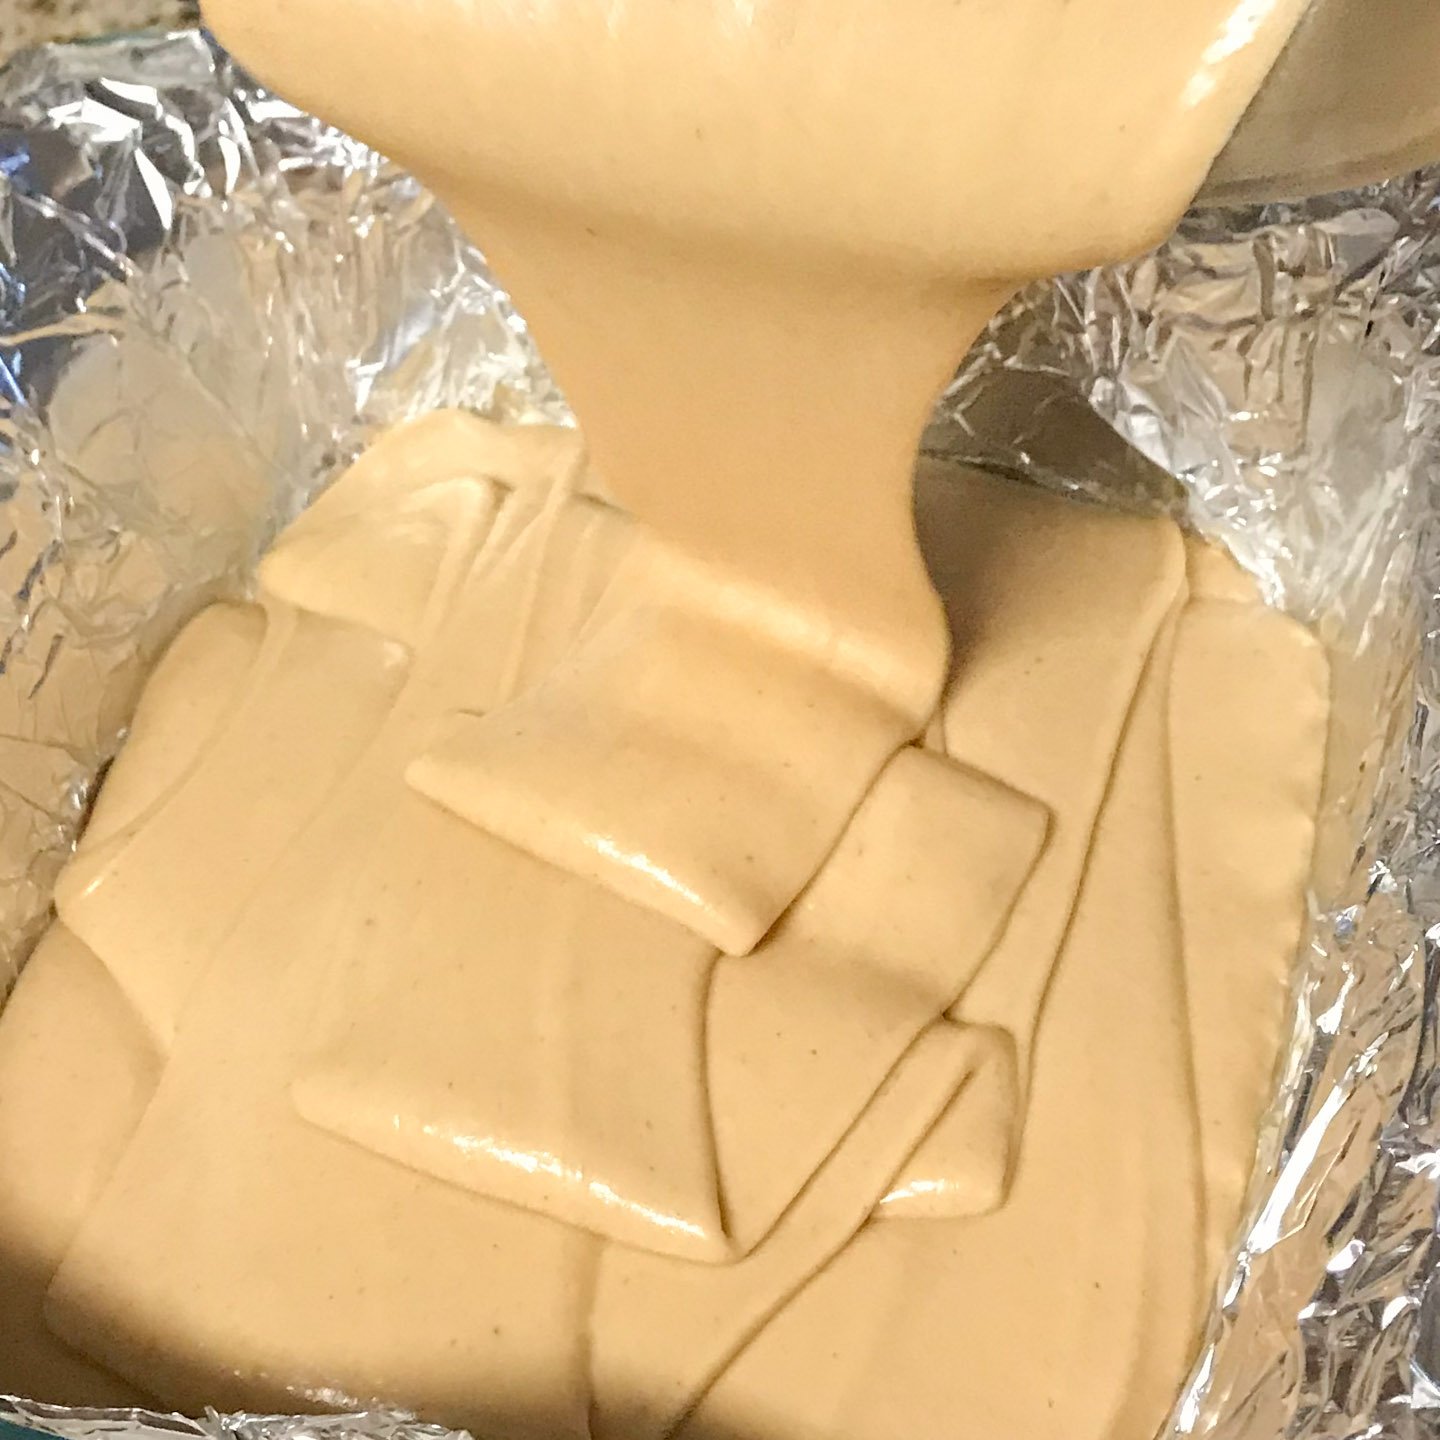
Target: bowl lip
1354, 173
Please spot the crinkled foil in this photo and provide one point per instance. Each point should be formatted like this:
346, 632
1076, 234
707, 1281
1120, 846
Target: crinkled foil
197, 281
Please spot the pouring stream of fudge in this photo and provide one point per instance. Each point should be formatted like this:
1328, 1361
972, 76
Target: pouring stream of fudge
688, 927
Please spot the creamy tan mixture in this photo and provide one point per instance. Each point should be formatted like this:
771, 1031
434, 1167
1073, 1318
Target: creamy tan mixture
625, 941
820, 1189
753, 239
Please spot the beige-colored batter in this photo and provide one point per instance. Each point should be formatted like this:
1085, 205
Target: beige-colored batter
1055, 611
243, 1256
586, 1007
1245, 796
1095, 1256
76, 1072
394, 1289
753, 240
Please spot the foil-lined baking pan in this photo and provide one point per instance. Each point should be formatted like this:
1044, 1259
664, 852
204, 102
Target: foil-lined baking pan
197, 279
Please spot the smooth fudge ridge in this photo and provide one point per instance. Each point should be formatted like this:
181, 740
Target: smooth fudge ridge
617, 930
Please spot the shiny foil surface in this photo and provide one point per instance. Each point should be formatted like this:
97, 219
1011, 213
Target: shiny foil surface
198, 281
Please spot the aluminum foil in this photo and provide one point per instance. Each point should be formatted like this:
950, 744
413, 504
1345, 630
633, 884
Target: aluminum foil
195, 279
